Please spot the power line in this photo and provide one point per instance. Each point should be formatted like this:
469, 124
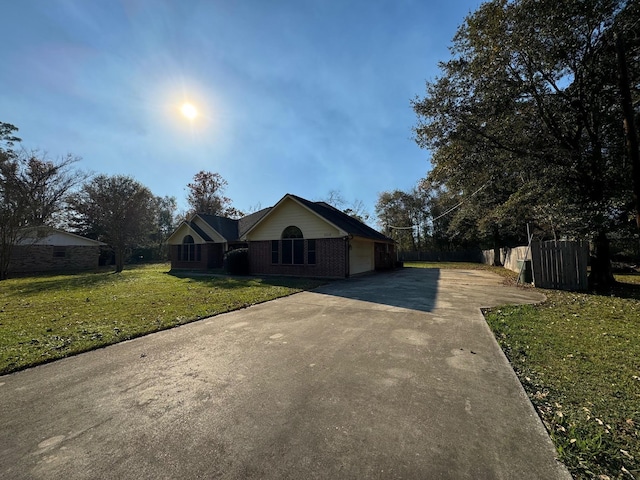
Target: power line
447, 212
460, 204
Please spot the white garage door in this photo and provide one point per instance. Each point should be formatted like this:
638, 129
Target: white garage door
361, 257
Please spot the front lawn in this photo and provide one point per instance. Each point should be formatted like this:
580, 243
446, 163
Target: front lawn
578, 357
44, 318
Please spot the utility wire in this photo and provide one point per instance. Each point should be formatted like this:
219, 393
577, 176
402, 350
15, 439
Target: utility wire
460, 204
447, 212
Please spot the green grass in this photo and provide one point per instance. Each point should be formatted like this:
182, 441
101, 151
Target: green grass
50, 317
578, 357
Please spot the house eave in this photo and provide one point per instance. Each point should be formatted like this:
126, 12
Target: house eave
341, 232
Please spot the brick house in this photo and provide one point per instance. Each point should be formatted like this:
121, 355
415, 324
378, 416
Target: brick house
54, 250
200, 242
295, 237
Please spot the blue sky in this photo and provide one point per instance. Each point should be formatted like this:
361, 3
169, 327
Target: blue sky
294, 96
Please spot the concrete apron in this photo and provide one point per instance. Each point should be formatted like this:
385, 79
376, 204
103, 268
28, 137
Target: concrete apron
386, 376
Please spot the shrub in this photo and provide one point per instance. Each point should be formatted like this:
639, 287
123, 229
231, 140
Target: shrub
236, 262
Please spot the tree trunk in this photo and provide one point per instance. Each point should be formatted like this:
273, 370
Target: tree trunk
629, 124
497, 261
496, 257
601, 276
5, 259
119, 259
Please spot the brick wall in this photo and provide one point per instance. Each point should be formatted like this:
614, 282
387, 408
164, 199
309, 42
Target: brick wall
215, 255
45, 258
211, 255
331, 260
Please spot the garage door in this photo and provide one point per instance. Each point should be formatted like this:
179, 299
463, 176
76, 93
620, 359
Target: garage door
361, 257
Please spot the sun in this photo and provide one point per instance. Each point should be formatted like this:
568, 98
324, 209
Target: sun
189, 111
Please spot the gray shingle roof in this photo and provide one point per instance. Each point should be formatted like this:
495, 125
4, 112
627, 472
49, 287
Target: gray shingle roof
245, 223
227, 227
232, 230
200, 232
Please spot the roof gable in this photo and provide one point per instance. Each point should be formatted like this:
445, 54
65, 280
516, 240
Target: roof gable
343, 221
340, 221
184, 229
287, 212
206, 228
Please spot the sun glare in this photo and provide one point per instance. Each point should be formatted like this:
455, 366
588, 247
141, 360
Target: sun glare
189, 111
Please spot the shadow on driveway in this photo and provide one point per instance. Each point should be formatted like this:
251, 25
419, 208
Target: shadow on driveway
410, 288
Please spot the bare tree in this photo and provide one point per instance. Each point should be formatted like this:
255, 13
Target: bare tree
33, 193
355, 209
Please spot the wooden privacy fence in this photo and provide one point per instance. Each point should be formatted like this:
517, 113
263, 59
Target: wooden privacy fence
560, 265
441, 256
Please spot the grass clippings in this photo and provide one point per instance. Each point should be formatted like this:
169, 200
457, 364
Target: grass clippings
44, 318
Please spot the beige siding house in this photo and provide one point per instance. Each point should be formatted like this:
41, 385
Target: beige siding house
295, 237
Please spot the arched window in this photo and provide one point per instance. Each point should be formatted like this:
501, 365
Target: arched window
189, 251
292, 232
292, 246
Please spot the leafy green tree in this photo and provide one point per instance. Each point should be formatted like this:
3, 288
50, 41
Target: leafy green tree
164, 223
529, 106
116, 210
440, 204
403, 216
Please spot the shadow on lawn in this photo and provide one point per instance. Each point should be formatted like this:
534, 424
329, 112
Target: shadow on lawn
622, 290
231, 282
62, 282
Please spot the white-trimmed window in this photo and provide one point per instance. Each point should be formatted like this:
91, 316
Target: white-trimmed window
290, 249
189, 251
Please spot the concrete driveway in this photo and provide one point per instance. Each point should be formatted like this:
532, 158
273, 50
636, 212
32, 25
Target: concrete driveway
388, 376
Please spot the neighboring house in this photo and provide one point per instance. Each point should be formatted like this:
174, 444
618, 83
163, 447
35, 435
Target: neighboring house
54, 250
295, 237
